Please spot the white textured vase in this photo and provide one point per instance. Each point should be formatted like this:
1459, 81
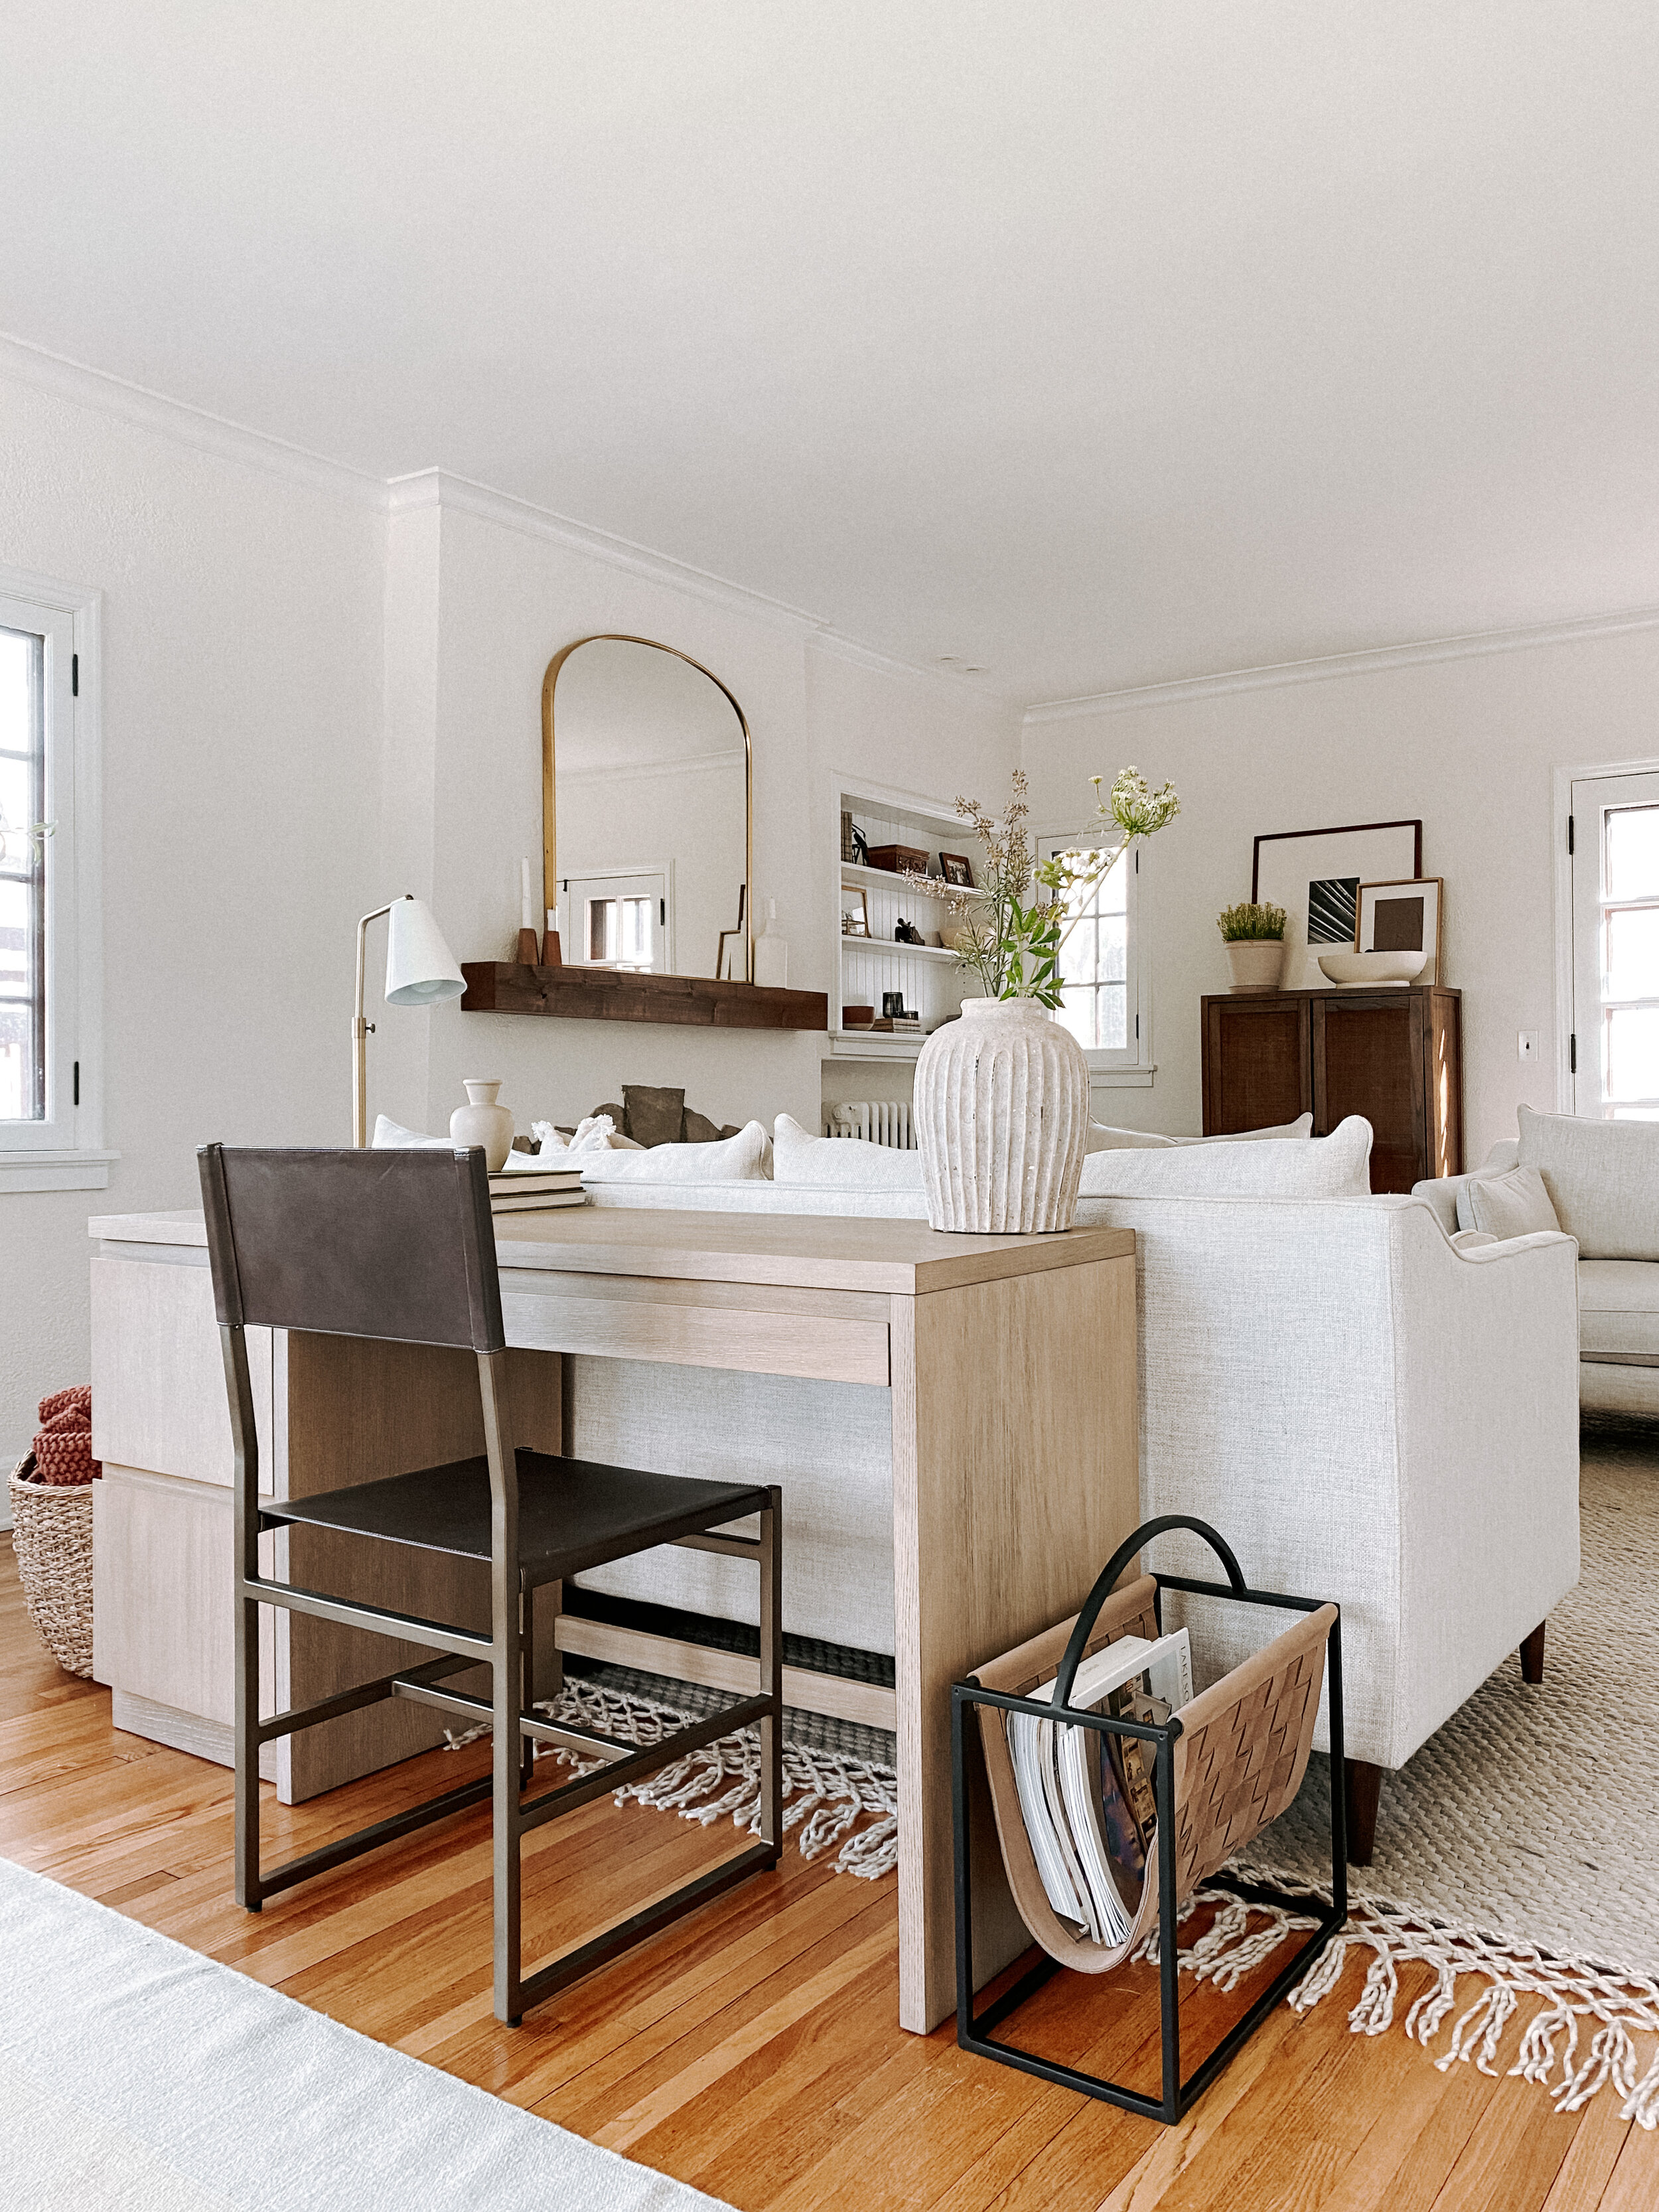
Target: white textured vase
482, 1122
1001, 1115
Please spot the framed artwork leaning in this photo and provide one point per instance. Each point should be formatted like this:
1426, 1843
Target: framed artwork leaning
1402, 917
1315, 876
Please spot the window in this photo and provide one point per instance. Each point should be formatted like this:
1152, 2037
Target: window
619, 920
50, 1128
1615, 897
1102, 986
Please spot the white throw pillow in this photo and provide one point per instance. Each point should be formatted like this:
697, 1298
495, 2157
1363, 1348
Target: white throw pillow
840, 1163
1512, 1205
1337, 1166
1602, 1178
391, 1136
746, 1157
1101, 1138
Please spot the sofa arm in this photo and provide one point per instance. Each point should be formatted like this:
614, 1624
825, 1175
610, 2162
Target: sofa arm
1441, 1194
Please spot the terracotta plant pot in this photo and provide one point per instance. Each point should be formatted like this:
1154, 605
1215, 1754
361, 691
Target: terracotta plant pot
1256, 962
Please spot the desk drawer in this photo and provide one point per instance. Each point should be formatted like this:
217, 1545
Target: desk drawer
762, 1338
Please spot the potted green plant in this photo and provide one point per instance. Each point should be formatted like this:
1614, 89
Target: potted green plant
1254, 937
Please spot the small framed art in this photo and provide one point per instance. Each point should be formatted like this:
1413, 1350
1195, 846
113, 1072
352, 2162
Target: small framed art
1402, 917
854, 911
956, 868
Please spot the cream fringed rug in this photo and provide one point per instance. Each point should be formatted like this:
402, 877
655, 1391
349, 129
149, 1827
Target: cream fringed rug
137, 2076
1521, 1846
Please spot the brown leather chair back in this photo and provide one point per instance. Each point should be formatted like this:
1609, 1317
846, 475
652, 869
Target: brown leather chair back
393, 1244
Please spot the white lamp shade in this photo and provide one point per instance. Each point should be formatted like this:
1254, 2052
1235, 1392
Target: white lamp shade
420, 967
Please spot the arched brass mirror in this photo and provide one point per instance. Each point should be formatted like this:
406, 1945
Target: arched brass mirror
646, 773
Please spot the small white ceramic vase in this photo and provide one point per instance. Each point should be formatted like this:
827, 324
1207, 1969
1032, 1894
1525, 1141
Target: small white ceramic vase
1256, 962
482, 1122
771, 952
1001, 1115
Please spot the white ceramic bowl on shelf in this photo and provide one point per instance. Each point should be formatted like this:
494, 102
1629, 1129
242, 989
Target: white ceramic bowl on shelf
1351, 968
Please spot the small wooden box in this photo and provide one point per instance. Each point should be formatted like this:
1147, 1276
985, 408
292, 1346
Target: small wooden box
893, 858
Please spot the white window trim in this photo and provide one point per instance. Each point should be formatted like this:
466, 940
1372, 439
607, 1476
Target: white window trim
75, 983
1563, 780
1132, 1067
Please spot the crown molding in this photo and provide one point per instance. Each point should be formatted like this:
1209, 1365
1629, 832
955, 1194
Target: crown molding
887, 664
189, 425
1468, 645
430, 488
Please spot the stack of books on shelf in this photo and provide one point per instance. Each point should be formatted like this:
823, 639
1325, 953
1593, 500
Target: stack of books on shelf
898, 1025
535, 1190
1086, 1797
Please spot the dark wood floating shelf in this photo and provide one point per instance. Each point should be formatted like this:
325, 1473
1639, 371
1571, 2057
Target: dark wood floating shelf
604, 994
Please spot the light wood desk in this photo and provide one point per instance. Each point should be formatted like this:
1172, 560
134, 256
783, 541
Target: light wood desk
1008, 1363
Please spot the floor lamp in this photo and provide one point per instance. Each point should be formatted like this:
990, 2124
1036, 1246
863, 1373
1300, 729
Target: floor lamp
420, 971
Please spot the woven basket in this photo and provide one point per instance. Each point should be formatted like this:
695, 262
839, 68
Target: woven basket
51, 1535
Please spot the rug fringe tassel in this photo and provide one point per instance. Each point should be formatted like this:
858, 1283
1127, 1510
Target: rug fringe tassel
826, 1794
1579, 1992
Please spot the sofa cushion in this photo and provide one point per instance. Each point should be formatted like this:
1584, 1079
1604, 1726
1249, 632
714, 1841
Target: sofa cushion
1602, 1178
1619, 1311
391, 1136
746, 1157
840, 1163
1512, 1205
1337, 1166
1101, 1138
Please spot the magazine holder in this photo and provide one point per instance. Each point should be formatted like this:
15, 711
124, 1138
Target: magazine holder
1229, 1762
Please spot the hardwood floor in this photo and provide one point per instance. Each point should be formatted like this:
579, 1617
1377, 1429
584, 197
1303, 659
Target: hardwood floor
753, 2050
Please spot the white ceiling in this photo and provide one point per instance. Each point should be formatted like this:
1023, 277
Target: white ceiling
1094, 344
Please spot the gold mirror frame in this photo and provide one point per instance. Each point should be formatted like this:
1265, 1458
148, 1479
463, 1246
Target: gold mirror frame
550, 803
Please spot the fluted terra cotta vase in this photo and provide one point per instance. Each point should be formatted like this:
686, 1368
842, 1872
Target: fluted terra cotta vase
1001, 1115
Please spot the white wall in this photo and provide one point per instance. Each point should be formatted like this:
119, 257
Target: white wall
1469, 743
241, 711
507, 596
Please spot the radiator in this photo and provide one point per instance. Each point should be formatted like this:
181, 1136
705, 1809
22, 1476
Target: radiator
875, 1120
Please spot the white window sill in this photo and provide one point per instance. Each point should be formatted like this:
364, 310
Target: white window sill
77, 1170
1121, 1078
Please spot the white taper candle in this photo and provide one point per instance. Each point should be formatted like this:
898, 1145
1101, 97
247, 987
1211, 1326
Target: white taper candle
526, 910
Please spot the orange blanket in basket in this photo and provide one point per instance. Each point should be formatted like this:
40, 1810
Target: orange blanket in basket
62, 1449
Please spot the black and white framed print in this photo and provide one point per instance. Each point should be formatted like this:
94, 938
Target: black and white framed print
1315, 875
1403, 917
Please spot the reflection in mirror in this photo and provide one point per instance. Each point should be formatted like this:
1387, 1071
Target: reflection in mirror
646, 771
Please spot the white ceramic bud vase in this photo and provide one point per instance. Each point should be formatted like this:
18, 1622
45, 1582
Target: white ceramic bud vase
482, 1122
1002, 1116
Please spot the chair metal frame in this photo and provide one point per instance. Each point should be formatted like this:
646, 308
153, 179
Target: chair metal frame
974, 2030
507, 1652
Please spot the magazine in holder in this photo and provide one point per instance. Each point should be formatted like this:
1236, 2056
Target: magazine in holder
1226, 1764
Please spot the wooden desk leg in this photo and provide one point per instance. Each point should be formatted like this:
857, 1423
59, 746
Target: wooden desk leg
1015, 1475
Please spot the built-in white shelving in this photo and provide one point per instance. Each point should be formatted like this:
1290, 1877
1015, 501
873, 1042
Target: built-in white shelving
929, 975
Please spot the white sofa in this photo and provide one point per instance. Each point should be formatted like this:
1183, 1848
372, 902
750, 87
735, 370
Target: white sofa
1365, 1412
1602, 1181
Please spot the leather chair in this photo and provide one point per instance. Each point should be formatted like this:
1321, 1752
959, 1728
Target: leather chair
400, 1246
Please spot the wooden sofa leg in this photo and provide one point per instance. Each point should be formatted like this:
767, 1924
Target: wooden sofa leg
1532, 1655
1362, 1788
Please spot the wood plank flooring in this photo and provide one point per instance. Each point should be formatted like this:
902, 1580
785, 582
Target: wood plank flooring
753, 2050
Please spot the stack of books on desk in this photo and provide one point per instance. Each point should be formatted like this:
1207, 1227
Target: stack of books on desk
1087, 1797
535, 1190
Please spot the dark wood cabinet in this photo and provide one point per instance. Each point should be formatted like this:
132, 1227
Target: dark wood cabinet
1394, 1056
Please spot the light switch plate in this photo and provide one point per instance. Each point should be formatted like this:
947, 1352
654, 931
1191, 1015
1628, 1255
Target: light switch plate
1528, 1041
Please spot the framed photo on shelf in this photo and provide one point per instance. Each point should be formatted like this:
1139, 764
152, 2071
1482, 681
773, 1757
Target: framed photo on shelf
1402, 917
956, 868
1315, 876
855, 912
